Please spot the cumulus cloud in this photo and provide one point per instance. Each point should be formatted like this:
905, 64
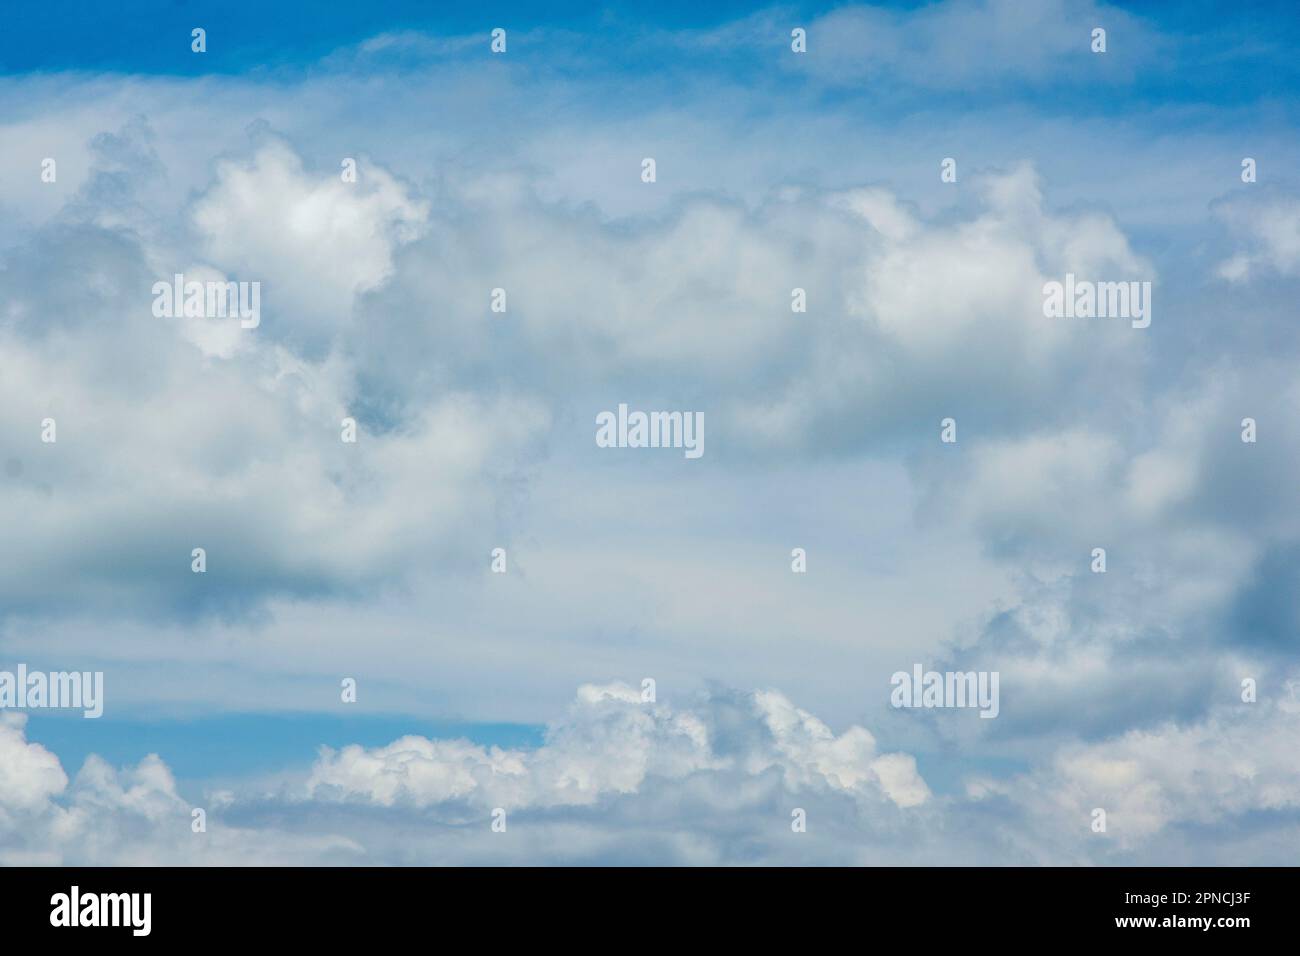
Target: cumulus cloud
127, 816
1240, 760
612, 743
715, 781
611, 753
29, 774
177, 433
375, 306
314, 240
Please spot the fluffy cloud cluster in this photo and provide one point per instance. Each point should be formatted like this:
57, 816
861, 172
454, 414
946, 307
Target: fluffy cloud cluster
177, 433
611, 753
715, 781
182, 433
315, 242
611, 743
1233, 772
128, 816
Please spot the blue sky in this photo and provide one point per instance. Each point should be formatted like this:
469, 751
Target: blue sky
775, 170
133, 38
233, 745
1216, 53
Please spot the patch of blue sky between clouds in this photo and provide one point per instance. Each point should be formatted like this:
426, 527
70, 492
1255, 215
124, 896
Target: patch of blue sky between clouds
224, 747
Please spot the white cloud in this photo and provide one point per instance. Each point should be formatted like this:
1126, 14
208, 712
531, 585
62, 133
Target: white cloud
712, 782
313, 240
750, 756
29, 774
611, 743
1241, 759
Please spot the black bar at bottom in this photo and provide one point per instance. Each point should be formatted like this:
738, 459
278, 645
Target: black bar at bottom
930, 905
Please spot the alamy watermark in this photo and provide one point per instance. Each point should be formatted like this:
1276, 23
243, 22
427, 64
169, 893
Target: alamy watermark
208, 300
922, 688
58, 690
1082, 299
651, 430
75, 908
